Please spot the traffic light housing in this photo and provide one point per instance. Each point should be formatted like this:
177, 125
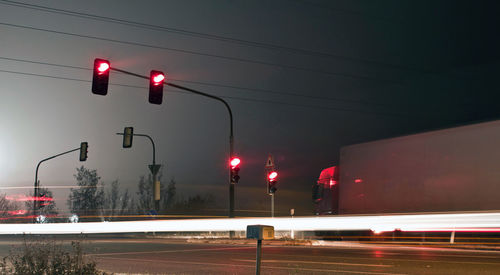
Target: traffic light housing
271, 182
100, 77
156, 79
128, 134
235, 168
84, 146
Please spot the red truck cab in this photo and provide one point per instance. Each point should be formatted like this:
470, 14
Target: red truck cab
326, 192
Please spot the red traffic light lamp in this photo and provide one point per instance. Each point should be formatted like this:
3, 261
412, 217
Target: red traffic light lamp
100, 78
156, 80
235, 162
102, 66
235, 168
273, 175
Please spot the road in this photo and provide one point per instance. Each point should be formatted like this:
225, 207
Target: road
166, 256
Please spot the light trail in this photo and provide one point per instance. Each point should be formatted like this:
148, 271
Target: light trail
465, 222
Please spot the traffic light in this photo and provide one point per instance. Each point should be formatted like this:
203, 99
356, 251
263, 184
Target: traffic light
235, 168
128, 134
156, 79
100, 77
271, 182
83, 151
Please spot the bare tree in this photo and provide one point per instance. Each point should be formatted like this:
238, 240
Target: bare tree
116, 203
145, 194
88, 199
6, 206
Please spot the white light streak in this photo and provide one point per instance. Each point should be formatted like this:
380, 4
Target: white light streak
489, 222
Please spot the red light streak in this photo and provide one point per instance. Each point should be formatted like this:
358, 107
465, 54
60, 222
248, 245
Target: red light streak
358, 180
17, 212
28, 198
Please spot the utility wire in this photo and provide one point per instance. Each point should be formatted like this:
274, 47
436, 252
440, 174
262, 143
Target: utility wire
268, 46
67, 78
211, 84
243, 60
393, 20
397, 115
282, 93
44, 63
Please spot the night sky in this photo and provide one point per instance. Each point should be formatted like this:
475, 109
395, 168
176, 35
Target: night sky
303, 78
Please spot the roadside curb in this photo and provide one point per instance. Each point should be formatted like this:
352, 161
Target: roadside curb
345, 244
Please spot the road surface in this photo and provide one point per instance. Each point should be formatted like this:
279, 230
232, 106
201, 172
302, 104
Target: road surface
166, 256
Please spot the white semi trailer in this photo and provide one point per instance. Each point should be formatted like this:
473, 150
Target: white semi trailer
455, 169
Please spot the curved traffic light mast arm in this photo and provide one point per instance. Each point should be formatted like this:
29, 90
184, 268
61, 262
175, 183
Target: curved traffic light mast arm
231, 136
35, 192
152, 143
216, 98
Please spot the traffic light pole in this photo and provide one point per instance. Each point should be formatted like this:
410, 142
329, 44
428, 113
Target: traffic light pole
154, 168
37, 184
231, 139
231, 136
272, 205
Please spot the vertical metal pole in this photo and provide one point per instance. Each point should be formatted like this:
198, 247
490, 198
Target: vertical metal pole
35, 198
231, 136
452, 237
231, 183
272, 205
258, 258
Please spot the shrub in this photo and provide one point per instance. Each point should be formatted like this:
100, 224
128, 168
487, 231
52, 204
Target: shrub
45, 257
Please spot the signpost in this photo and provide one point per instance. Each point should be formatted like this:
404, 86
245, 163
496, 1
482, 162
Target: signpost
270, 162
259, 232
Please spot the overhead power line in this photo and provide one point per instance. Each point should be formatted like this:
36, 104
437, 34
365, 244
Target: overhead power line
392, 20
211, 84
44, 63
397, 115
238, 59
268, 46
